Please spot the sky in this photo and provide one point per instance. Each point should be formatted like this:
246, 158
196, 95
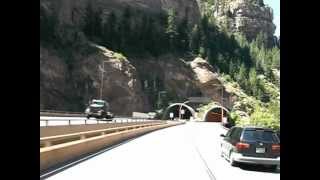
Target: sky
275, 5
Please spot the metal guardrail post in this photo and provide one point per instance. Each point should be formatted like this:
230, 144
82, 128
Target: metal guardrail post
85, 121
47, 122
69, 122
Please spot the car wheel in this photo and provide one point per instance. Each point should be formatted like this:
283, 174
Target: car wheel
273, 167
88, 117
231, 161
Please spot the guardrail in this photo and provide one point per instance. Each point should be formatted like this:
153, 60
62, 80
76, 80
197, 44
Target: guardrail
98, 121
59, 139
56, 154
66, 112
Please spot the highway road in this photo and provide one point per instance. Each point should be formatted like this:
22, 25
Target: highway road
189, 151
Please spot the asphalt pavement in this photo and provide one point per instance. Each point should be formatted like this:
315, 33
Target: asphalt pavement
190, 151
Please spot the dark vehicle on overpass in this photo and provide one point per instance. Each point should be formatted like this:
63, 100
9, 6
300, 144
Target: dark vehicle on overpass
98, 109
253, 145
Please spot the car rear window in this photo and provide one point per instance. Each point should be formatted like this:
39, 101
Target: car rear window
259, 135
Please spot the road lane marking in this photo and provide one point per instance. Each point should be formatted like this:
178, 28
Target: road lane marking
208, 170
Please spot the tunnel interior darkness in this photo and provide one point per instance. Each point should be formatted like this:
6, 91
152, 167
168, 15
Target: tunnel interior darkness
175, 110
214, 115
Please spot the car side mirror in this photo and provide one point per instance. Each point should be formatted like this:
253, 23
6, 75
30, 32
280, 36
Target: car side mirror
222, 135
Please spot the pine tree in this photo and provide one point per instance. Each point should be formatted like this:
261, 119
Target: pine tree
204, 32
183, 33
276, 58
261, 39
171, 29
88, 28
92, 22
109, 31
154, 46
202, 52
195, 39
231, 69
242, 76
48, 25
253, 81
125, 29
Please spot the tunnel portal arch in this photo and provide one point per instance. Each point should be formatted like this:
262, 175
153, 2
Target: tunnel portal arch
214, 114
174, 108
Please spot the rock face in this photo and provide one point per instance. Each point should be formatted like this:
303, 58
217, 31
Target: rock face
72, 11
62, 88
171, 73
193, 79
207, 81
245, 16
69, 88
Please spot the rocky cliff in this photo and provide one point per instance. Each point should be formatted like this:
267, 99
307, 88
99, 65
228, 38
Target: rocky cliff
69, 88
248, 17
126, 84
73, 11
185, 79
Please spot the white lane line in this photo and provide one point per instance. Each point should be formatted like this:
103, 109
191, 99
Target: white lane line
208, 170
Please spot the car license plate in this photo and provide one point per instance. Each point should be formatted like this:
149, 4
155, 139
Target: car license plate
260, 150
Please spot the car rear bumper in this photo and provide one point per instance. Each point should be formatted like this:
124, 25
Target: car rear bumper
256, 160
93, 114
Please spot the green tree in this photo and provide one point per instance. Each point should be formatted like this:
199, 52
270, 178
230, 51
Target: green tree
48, 25
275, 58
195, 39
110, 31
263, 117
242, 76
202, 52
231, 69
125, 29
253, 81
241, 39
171, 29
261, 39
211, 2
183, 35
92, 22
204, 32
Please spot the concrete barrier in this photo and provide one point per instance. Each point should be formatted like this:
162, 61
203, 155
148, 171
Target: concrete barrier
59, 139
66, 129
56, 114
54, 155
140, 115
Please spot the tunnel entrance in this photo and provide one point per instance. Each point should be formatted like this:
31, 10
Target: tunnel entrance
214, 114
179, 110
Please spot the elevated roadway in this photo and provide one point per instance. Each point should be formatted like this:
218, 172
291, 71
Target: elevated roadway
190, 151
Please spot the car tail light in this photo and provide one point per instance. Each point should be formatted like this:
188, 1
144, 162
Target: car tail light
276, 147
241, 146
